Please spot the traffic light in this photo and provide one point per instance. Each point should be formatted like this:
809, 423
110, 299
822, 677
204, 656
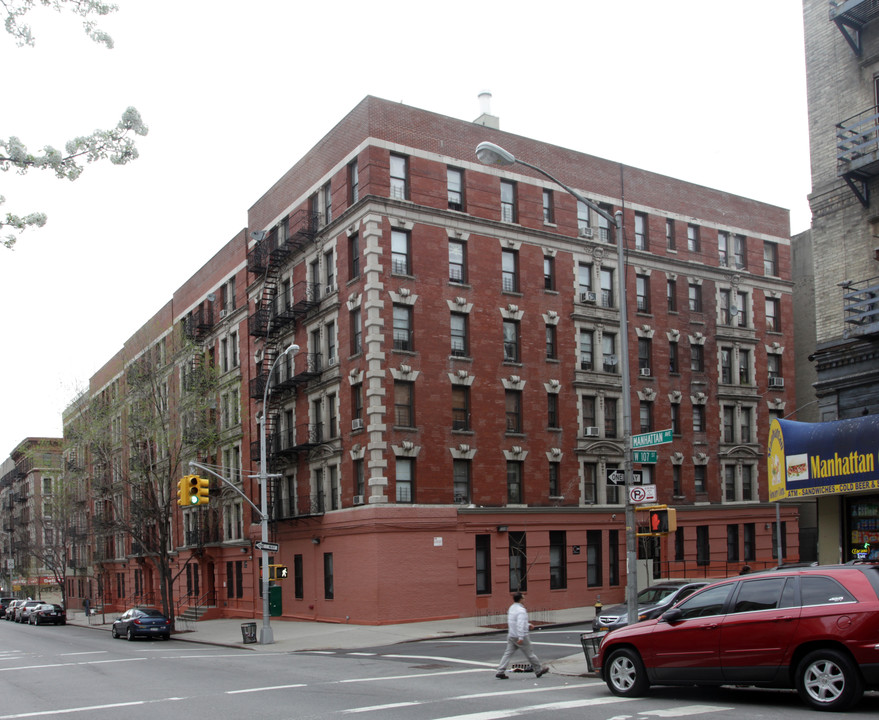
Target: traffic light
183, 491
277, 572
663, 520
204, 491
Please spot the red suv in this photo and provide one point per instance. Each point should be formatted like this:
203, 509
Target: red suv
815, 629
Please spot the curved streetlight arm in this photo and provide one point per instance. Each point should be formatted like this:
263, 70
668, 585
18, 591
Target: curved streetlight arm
229, 483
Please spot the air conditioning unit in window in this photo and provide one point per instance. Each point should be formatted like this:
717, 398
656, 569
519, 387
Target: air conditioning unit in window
358, 499
329, 290
776, 382
223, 313
357, 424
588, 297
591, 431
645, 372
586, 232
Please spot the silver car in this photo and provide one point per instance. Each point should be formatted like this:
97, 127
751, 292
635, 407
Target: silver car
652, 602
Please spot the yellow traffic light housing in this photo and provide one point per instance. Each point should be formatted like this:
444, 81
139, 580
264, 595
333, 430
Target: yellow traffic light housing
193, 490
662, 521
183, 491
277, 572
204, 491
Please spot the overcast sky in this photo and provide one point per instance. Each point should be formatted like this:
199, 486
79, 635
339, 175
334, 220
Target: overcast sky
234, 93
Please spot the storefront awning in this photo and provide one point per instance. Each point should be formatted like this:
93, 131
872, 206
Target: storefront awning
831, 458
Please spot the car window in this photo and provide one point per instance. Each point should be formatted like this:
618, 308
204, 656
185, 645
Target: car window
707, 602
764, 594
653, 595
822, 590
687, 591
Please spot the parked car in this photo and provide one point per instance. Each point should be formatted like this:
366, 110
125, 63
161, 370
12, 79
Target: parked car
814, 629
10, 610
4, 602
141, 622
47, 613
23, 611
652, 602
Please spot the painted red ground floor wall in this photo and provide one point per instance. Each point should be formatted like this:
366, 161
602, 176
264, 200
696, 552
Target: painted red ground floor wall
389, 564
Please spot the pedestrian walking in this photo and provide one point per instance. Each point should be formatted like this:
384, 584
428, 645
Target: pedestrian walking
517, 639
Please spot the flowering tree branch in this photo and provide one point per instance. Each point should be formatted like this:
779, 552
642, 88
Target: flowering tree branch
16, 10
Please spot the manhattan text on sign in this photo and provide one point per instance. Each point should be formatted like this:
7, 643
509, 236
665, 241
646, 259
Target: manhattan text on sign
660, 437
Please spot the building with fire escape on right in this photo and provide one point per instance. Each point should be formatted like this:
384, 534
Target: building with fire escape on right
838, 259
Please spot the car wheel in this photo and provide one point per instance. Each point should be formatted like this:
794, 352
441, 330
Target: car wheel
829, 680
625, 674
130, 634
114, 633
166, 637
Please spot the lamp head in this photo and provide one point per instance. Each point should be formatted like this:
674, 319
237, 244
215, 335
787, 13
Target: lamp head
258, 235
293, 348
490, 154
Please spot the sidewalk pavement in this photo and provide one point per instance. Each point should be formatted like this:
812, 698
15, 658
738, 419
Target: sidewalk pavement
293, 635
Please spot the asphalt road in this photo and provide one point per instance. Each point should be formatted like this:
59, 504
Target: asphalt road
70, 672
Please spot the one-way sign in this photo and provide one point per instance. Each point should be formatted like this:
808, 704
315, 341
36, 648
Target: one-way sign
618, 477
267, 546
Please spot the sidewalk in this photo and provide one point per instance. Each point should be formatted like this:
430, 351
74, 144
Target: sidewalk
291, 635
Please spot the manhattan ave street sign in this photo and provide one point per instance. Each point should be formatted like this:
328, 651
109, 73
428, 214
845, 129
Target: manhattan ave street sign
660, 437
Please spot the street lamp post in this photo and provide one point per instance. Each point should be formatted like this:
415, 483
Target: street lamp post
266, 637
491, 154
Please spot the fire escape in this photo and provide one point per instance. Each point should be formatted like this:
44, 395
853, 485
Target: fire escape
857, 138
277, 313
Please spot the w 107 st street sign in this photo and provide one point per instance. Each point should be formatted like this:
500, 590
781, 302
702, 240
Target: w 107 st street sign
660, 437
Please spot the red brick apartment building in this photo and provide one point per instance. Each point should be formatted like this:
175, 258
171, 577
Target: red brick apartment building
444, 433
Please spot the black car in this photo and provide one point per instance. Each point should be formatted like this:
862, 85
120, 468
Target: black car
4, 602
46, 614
142, 622
652, 602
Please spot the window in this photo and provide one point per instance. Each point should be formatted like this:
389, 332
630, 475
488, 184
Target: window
613, 557
725, 303
233, 347
750, 544
748, 482
404, 413
327, 195
703, 557
698, 418
331, 344
729, 483
645, 353
742, 309
584, 278
558, 576
726, 365
328, 576
675, 418
353, 183
640, 231
693, 244
459, 335
587, 404
604, 225
403, 328
695, 297
607, 299
457, 261
673, 365
511, 341
732, 555
401, 254
723, 248
553, 477
548, 273
552, 410
784, 551
646, 416
460, 407
518, 562
586, 349
298, 579
508, 201
770, 258
483, 564
744, 367
548, 211
609, 353
514, 482
359, 480
582, 216
590, 487
773, 315
773, 368
671, 294
745, 418
729, 416
332, 416
461, 480
455, 184
593, 558
356, 332
697, 358
670, 241
642, 293
509, 271
551, 350
740, 252
699, 478
354, 256
676, 479
399, 177
405, 481
513, 405
610, 417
